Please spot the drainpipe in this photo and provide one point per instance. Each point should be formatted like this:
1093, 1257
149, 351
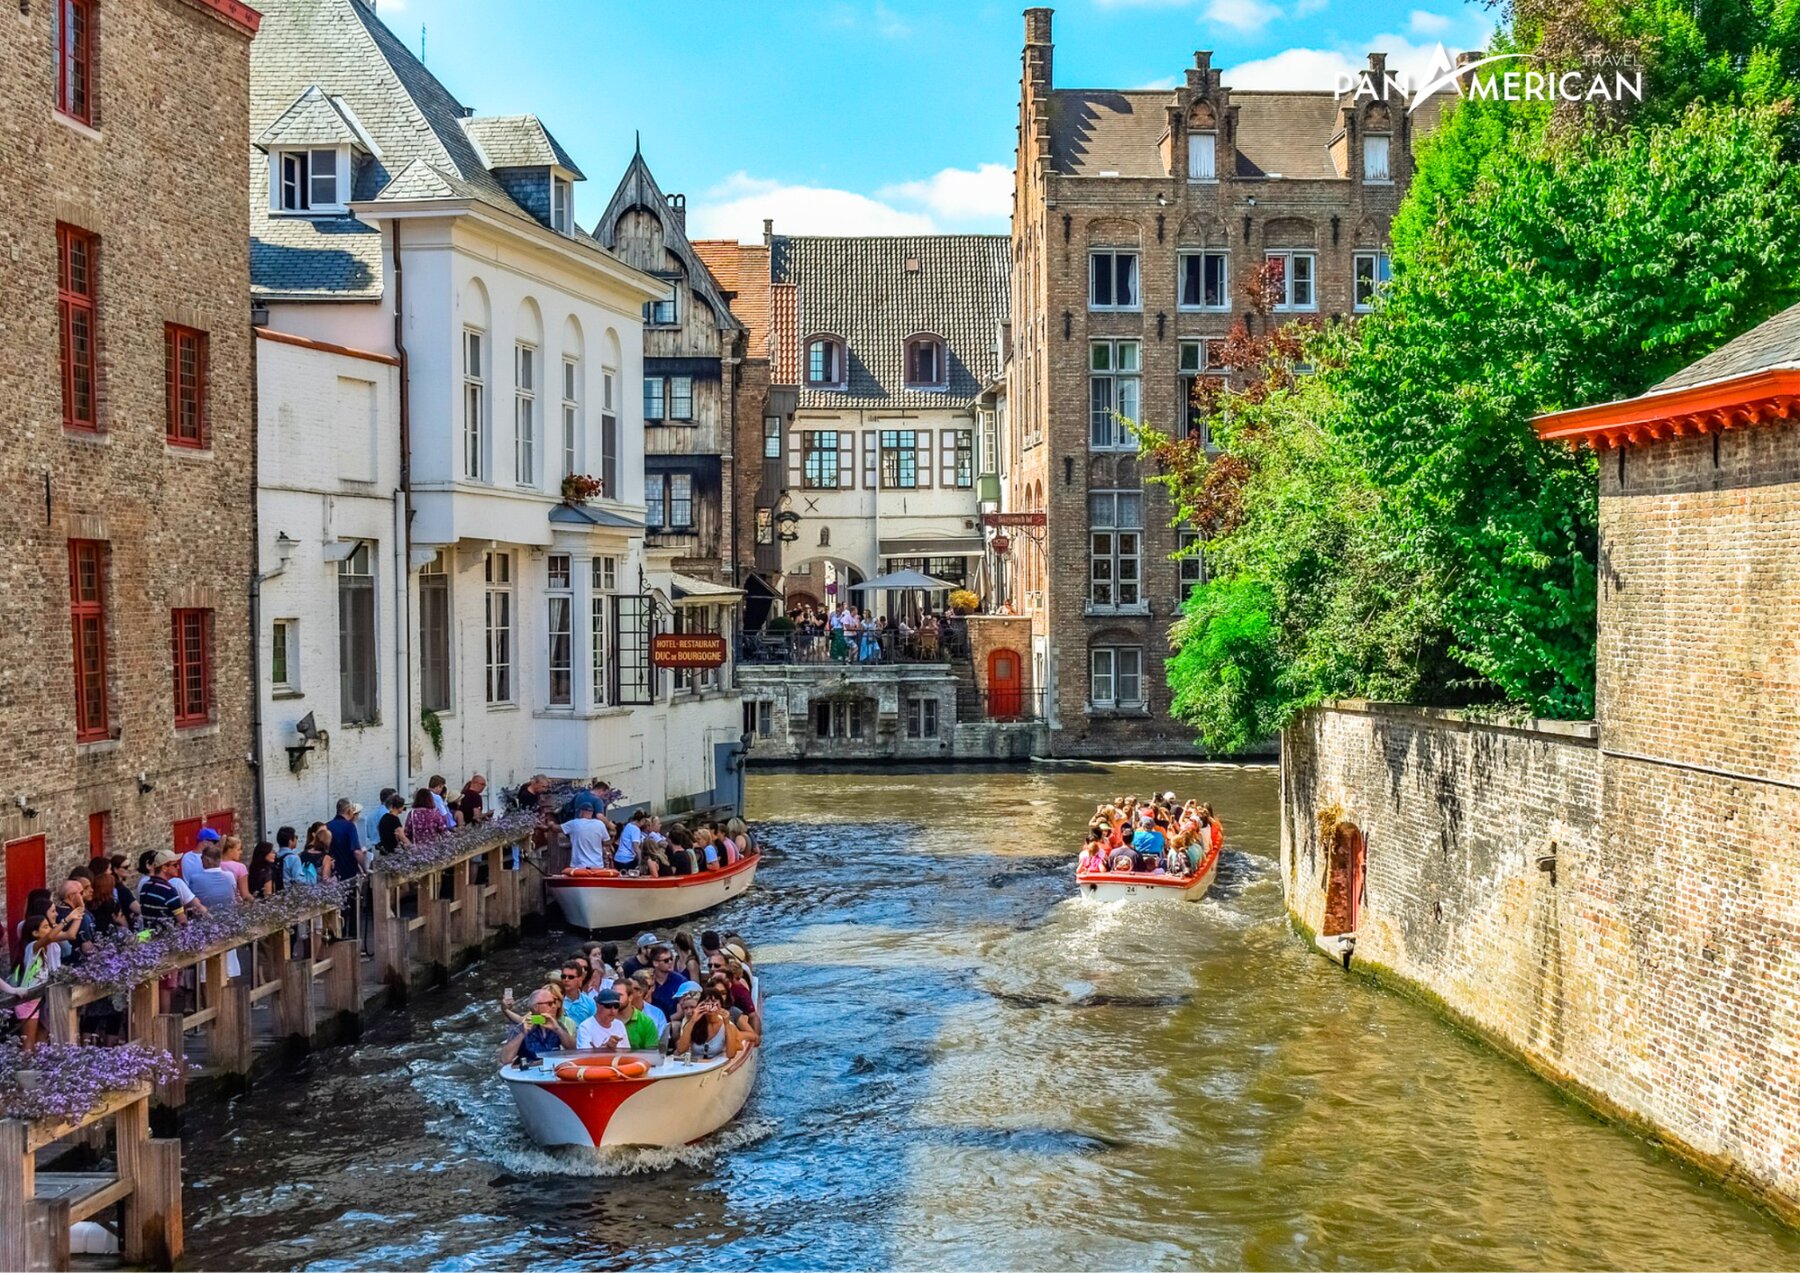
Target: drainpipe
256, 583
403, 576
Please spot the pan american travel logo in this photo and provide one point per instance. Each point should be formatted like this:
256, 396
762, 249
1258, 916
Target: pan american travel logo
1499, 77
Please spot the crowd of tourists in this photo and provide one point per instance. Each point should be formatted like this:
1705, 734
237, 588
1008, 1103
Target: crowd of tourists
844, 634
1156, 835
680, 996
639, 844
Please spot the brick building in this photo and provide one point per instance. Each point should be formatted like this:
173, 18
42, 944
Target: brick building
1138, 218
125, 694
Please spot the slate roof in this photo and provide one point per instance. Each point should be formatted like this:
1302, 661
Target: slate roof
859, 289
1096, 132
519, 141
313, 119
1773, 343
418, 126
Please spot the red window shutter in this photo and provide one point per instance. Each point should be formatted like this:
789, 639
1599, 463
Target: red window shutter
75, 287
99, 833
87, 620
191, 655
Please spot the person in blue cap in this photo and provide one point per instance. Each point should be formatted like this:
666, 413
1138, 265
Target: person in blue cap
191, 865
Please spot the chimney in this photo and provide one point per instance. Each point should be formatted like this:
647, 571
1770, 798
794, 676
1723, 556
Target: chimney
1038, 47
768, 231
1378, 74
1200, 78
678, 210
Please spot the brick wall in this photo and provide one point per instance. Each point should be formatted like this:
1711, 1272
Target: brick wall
159, 180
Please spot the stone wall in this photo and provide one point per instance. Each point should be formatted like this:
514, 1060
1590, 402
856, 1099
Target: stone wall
1653, 971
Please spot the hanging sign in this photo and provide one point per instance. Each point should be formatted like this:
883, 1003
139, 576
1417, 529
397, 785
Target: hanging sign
687, 650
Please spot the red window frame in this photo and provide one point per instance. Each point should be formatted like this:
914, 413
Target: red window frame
87, 621
191, 646
76, 320
184, 374
74, 23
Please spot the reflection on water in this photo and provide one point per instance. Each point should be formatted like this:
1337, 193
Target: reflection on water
970, 1067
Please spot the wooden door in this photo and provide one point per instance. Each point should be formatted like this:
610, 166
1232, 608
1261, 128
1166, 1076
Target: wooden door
1006, 697
24, 872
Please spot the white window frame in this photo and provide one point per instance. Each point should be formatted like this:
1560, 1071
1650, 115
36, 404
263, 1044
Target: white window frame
663, 313
474, 404
1122, 595
437, 572
1108, 688
571, 416
1192, 568
1204, 255
284, 635
306, 202
559, 624
610, 480
835, 359
604, 576
1378, 159
525, 374
1193, 360
1291, 282
500, 626
1120, 385
1203, 156
356, 576
771, 437
1112, 257
562, 204
1381, 273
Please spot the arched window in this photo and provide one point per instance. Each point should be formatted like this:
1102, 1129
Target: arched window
475, 360
925, 362
825, 363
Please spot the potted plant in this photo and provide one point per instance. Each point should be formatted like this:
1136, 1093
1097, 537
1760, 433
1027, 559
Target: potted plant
964, 602
579, 488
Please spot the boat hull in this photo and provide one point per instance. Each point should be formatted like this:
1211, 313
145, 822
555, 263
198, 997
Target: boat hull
1115, 886
595, 902
677, 1103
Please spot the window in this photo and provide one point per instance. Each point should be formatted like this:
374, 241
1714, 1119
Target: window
609, 436
525, 415
819, 454
921, 718
653, 398
191, 641
661, 313
899, 459
497, 572
562, 205
559, 631
926, 367
1203, 156
308, 181
75, 253
1204, 280
765, 525
759, 716
605, 577
1113, 280
1200, 361
1117, 676
1372, 272
1294, 275
655, 506
1375, 158
824, 363
1114, 388
1115, 547
771, 437
571, 415
606, 574
434, 635
284, 656
1189, 558
681, 500
681, 397
356, 636
74, 23
474, 406
963, 449
184, 376
839, 718
87, 618
634, 679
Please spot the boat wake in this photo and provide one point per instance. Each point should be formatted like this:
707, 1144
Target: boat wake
520, 1157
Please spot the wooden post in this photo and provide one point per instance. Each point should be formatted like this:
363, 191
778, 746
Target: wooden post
228, 1042
391, 962
166, 1033
140, 1019
531, 882
61, 1016
469, 928
343, 982
506, 900
163, 1238
434, 903
131, 1134
49, 1240
18, 1182
293, 1015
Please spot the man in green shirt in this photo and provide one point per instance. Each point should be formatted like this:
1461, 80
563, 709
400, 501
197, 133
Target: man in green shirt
640, 1029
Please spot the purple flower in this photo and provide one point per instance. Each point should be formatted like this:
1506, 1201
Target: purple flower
73, 1079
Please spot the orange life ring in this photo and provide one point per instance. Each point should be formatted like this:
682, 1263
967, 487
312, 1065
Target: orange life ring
598, 1071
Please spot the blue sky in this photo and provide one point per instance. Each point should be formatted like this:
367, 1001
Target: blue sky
891, 116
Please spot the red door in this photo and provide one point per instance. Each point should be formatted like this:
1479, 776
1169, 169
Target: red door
24, 872
1006, 696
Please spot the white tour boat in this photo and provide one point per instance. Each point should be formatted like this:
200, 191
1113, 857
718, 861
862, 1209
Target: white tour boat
1111, 886
571, 1098
596, 900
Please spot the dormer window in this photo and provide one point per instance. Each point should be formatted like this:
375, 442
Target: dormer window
825, 363
925, 363
562, 205
661, 313
310, 181
1375, 158
1203, 156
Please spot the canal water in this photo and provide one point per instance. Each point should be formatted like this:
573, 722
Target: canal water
968, 1067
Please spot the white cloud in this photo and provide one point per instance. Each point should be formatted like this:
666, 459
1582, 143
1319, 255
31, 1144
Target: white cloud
1424, 22
1166, 82
954, 199
1242, 15
1319, 69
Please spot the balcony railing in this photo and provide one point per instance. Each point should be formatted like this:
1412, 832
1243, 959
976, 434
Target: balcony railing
872, 648
1000, 703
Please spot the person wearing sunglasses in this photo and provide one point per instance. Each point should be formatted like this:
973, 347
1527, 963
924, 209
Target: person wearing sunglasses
578, 999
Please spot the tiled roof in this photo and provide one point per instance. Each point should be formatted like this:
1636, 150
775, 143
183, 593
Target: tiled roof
343, 49
1101, 132
865, 291
519, 141
784, 345
742, 270
1771, 344
313, 120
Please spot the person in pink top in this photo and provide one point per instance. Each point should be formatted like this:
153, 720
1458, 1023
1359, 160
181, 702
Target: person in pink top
424, 819
231, 861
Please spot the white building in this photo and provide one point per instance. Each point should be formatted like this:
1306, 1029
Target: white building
430, 599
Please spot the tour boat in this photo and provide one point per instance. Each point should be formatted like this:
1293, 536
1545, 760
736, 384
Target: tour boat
599, 901
1111, 886
672, 1102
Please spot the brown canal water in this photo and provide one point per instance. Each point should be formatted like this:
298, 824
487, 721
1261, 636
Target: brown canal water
969, 1067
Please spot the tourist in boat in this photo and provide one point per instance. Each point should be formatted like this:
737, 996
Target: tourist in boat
578, 999
536, 1031
640, 1027
668, 982
655, 849
746, 1022
708, 1032
739, 835
643, 983
588, 839
682, 858
688, 963
1093, 854
603, 1032
640, 960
